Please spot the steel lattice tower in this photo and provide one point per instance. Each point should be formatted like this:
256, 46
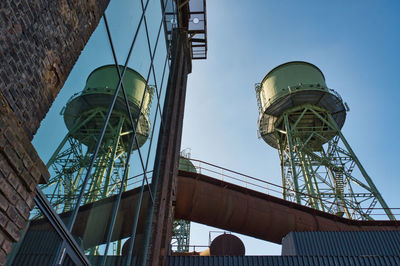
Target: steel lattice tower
84, 116
181, 228
302, 118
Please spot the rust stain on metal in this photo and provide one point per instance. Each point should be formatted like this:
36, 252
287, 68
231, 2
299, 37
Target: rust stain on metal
216, 203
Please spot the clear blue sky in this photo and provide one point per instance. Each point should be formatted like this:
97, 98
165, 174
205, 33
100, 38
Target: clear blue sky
354, 43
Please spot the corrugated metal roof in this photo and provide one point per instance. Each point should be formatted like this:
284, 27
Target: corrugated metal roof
342, 243
281, 260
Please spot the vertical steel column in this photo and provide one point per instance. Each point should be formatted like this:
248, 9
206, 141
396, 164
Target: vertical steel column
160, 217
316, 185
282, 157
308, 181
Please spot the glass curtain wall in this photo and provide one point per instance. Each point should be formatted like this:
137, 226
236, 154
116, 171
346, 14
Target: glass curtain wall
100, 138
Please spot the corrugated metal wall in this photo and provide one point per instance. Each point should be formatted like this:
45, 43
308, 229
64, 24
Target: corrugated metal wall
385, 243
281, 260
112, 260
38, 248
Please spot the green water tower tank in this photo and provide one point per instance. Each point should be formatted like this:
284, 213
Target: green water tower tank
186, 165
291, 85
93, 102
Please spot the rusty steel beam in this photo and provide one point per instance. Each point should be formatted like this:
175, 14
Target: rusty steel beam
234, 208
215, 203
164, 181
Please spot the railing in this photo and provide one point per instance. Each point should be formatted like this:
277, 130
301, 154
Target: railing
197, 248
191, 248
291, 89
237, 178
268, 188
132, 183
248, 182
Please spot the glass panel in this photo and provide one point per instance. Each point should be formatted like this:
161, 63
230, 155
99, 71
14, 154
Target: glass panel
140, 59
139, 163
123, 18
153, 148
161, 68
64, 143
100, 179
153, 19
68, 261
155, 120
170, 17
53, 129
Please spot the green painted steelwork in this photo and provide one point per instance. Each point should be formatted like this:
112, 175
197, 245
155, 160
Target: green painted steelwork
181, 230
97, 94
84, 116
290, 85
302, 118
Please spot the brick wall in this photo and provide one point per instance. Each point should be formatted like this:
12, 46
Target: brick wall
20, 171
40, 42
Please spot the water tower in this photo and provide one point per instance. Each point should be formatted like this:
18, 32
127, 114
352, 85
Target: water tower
302, 118
84, 116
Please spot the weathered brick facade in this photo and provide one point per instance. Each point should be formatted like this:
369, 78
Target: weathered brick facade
20, 171
40, 42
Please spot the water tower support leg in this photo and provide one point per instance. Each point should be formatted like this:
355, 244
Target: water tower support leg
363, 172
371, 184
291, 154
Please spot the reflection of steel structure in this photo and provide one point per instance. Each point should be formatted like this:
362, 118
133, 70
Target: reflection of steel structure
84, 116
181, 236
302, 118
181, 228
